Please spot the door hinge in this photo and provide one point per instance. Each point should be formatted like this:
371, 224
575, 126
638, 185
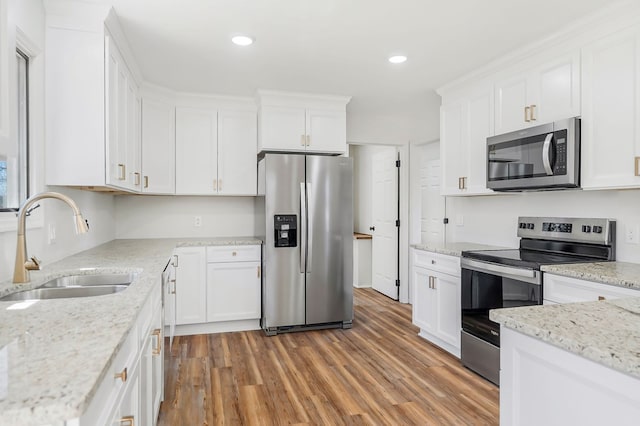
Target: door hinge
398, 223
397, 163
445, 220
397, 283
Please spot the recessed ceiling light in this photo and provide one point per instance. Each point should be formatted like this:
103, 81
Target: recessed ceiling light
398, 59
242, 40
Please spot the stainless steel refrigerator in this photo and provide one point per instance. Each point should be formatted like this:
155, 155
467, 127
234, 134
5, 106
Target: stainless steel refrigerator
304, 212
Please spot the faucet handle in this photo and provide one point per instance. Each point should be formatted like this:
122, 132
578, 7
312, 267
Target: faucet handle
33, 264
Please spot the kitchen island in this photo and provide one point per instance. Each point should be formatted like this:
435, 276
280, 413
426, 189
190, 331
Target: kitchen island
55, 353
574, 363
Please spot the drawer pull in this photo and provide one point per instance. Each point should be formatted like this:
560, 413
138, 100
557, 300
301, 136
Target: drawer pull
158, 348
128, 420
602, 298
122, 375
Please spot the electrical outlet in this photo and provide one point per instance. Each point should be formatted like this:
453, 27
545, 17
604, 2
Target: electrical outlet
51, 234
632, 234
197, 221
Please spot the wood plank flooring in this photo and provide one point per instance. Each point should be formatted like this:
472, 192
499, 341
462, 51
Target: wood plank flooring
378, 372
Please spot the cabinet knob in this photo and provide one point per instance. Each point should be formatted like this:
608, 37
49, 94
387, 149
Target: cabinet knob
122, 375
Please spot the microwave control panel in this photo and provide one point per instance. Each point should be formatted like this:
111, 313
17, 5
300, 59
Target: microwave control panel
286, 230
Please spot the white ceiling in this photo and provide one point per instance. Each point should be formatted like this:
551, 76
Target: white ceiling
333, 46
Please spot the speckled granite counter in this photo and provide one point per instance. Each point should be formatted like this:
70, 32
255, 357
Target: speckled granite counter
453, 249
54, 353
621, 274
584, 329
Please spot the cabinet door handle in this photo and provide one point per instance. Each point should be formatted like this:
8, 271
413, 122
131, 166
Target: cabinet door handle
137, 178
637, 161
533, 113
175, 261
303, 140
219, 184
215, 184
128, 420
430, 282
433, 285
602, 298
527, 112
123, 172
158, 348
308, 140
174, 286
234, 254
146, 181
258, 271
122, 375
459, 183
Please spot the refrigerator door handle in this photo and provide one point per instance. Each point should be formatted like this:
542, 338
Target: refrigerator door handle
309, 244
303, 226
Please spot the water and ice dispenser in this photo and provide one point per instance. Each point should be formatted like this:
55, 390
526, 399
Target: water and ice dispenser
286, 230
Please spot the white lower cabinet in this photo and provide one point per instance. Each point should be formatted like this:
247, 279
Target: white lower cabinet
436, 299
190, 285
541, 384
233, 291
561, 289
132, 389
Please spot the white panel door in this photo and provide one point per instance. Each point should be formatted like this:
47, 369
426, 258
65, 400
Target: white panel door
196, 151
452, 148
282, 128
424, 300
326, 131
556, 90
611, 111
233, 291
385, 212
158, 147
191, 285
511, 99
237, 150
447, 289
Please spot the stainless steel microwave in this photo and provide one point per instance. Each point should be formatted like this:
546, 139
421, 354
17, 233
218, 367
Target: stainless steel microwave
540, 157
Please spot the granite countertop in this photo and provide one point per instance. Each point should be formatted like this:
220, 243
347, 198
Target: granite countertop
54, 353
584, 329
621, 274
454, 249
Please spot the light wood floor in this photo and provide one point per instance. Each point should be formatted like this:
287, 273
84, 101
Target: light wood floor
378, 372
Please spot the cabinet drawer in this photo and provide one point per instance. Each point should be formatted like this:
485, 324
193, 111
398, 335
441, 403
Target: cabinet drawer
437, 262
233, 254
561, 289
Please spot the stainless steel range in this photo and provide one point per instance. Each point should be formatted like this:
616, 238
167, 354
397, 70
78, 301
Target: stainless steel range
494, 279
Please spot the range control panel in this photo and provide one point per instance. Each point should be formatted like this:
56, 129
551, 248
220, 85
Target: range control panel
595, 230
286, 230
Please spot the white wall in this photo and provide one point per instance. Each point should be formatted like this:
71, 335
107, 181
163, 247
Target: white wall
493, 219
173, 216
29, 16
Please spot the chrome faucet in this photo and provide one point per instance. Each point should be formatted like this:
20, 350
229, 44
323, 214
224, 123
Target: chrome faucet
23, 266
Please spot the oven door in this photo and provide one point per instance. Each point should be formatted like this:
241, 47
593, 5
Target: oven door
487, 286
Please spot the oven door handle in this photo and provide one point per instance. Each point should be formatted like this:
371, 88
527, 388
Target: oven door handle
529, 274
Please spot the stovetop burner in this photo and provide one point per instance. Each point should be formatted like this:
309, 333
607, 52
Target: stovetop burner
549, 241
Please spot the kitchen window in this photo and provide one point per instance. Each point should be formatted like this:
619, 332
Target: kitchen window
14, 161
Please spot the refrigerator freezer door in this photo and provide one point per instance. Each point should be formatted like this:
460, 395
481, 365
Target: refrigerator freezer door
329, 296
283, 289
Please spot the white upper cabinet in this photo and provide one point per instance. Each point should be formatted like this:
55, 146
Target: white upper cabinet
158, 147
465, 123
297, 122
216, 151
196, 151
237, 152
538, 94
611, 111
93, 124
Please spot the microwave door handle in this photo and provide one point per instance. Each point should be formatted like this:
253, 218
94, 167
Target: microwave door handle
546, 154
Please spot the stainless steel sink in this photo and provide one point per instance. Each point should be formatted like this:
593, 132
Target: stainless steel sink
64, 292
75, 286
90, 280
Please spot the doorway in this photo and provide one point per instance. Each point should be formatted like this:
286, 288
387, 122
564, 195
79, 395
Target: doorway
377, 212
